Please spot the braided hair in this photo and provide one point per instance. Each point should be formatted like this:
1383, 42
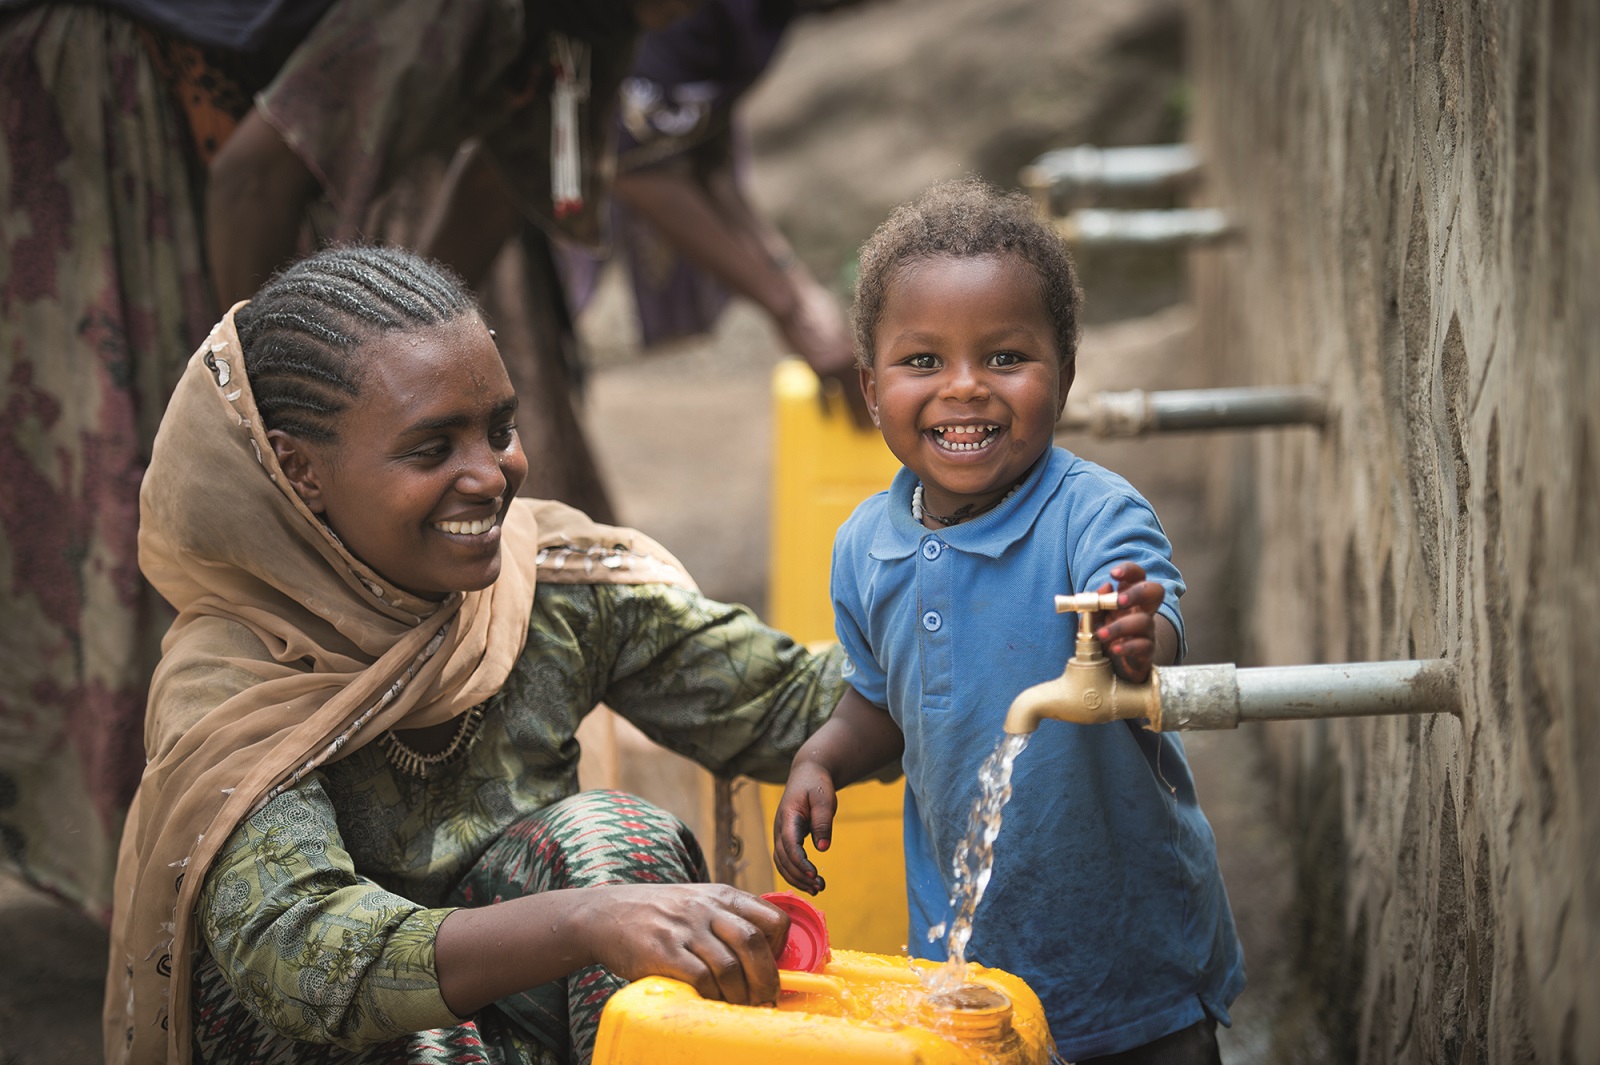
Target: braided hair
964, 219
302, 331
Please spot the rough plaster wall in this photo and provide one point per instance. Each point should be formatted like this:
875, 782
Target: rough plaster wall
1419, 189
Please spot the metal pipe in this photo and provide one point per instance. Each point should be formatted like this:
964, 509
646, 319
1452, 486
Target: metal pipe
1222, 696
1097, 227
1136, 413
1085, 168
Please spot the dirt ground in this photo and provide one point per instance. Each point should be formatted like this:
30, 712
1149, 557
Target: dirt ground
864, 108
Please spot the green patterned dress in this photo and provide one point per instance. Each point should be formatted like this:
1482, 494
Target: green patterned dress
318, 918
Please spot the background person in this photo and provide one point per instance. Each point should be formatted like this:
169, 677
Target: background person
681, 221
115, 240
103, 288
377, 91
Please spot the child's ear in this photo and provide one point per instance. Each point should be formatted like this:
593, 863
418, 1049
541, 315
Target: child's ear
869, 388
1068, 373
300, 465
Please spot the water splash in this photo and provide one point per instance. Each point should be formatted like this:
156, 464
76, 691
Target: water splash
973, 863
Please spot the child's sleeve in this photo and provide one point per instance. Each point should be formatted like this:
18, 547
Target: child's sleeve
862, 668
1125, 529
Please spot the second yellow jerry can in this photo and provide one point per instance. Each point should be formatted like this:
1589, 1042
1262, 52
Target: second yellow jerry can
823, 467
859, 1009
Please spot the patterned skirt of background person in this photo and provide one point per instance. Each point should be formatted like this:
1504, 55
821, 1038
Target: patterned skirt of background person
102, 297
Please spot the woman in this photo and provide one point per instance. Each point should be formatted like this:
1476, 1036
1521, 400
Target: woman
362, 730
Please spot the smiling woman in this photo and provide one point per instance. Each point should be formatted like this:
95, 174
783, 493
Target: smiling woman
362, 732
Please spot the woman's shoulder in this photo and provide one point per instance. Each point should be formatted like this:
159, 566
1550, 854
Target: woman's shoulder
566, 546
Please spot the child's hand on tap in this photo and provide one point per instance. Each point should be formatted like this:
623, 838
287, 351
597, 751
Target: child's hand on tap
1129, 632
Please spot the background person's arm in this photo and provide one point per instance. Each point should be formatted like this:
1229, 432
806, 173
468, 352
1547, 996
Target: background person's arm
710, 222
473, 217
257, 193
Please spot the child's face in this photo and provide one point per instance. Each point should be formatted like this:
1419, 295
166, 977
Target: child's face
966, 381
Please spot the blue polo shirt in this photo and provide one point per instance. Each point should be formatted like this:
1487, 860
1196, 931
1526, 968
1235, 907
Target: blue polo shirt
1105, 894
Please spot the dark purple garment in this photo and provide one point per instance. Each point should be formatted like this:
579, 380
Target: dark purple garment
677, 105
687, 78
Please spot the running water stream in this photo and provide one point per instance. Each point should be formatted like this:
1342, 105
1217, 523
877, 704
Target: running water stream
973, 862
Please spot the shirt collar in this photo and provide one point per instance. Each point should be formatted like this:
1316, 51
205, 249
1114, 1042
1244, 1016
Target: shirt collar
988, 534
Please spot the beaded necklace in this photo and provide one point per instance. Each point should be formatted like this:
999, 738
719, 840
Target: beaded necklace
414, 763
964, 514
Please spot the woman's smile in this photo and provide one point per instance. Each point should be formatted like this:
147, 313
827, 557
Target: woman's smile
469, 529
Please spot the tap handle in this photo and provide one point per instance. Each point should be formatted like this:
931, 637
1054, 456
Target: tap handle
1086, 602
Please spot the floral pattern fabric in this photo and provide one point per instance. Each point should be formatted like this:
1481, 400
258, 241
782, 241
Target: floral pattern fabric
102, 296
321, 911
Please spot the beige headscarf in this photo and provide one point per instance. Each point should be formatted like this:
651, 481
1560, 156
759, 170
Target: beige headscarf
288, 652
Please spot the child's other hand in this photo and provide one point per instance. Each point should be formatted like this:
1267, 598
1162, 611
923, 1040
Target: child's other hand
807, 808
1129, 632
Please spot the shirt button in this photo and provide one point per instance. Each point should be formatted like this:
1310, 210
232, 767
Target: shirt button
932, 621
931, 549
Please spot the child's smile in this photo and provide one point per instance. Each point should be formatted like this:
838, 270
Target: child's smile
966, 381
965, 437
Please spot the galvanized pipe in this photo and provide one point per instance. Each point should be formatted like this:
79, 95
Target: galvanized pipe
1097, 227
1085, 168
1222, 696
1136, 413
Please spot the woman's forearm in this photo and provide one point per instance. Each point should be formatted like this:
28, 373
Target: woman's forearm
685, 213
485, 953
1167, 643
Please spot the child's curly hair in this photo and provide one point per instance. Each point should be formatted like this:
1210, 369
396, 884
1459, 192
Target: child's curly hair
959, 220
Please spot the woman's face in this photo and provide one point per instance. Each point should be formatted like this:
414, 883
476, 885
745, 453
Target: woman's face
427, 459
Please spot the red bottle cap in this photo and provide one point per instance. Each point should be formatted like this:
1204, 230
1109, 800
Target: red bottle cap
806, 949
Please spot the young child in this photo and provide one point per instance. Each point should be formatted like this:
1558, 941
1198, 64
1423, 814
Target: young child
1105, 894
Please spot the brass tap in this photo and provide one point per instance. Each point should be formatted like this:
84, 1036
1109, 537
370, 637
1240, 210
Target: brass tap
1087, 692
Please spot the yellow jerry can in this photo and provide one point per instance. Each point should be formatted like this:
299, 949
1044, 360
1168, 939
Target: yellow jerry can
860, 1009
823, 467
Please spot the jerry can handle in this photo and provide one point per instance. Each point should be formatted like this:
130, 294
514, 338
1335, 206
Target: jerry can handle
804, 983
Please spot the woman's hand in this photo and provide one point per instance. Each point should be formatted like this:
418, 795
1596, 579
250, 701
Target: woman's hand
807, 808
1130, 632
716, 938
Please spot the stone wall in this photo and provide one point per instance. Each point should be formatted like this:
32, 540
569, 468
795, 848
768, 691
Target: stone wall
1418, 188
